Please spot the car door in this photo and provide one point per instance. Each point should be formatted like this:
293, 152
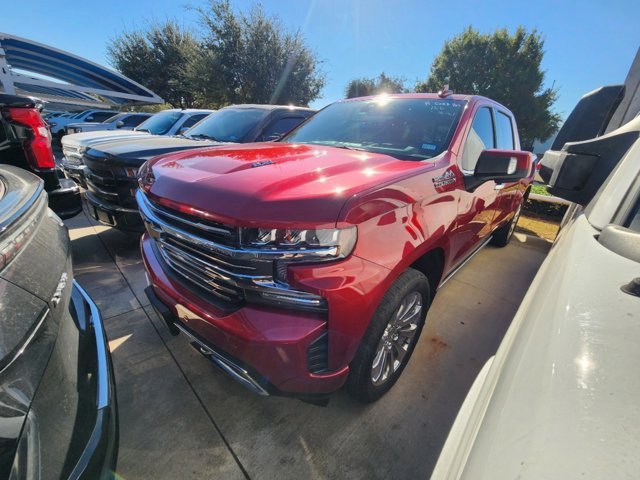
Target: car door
477, 208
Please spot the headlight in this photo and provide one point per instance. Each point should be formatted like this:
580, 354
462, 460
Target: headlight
145, 177
329, 242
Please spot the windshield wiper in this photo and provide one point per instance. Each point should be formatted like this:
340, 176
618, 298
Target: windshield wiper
203, 136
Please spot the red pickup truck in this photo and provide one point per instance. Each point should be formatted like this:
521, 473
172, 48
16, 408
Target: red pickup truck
301, 265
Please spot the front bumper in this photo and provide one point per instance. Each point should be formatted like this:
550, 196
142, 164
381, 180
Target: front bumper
113, 215
99, 457
276, 345
271, 345
74, 172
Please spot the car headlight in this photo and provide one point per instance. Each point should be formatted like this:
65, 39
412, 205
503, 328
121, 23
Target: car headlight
305, 243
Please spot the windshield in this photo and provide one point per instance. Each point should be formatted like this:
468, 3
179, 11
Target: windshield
115, 118
404, 128
79, 114
160, 123
228, 124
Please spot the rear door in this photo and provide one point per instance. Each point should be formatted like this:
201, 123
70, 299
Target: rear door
477, 209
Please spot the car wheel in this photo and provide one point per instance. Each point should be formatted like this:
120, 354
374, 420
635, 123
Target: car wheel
391, 337
502, 235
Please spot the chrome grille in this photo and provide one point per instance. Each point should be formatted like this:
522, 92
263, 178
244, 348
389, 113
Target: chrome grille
208, 254
210, 230
73, 155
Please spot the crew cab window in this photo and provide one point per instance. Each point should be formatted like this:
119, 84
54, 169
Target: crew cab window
281, 126
504, 132
480, 138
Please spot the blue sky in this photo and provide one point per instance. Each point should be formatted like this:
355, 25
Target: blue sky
586, 46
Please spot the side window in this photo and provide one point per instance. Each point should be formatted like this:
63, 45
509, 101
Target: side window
191, 121
281, 126
480, 138
134, 120
504, 132
101, 116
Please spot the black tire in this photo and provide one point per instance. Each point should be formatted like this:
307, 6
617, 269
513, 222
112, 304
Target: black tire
502, 235
360, 383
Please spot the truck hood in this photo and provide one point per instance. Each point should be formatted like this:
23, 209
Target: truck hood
87, 138
273, 184
135, 151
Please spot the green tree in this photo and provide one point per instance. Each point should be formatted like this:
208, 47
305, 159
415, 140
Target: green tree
361, 87
253, 58
163, 58
505, 68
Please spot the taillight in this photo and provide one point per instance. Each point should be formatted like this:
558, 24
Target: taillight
37, 140
145, 177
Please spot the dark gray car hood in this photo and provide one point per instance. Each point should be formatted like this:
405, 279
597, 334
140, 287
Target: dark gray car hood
136, 151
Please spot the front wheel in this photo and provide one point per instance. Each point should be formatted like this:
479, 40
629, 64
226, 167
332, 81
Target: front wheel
390, 338
502, 235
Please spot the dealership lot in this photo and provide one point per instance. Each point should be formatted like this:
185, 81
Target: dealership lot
182, 417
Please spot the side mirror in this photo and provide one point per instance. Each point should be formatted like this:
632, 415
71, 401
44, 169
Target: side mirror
119, 124
501, 166
182, 130
89, 118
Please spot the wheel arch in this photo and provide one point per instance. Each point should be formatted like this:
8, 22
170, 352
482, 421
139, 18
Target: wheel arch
431, 264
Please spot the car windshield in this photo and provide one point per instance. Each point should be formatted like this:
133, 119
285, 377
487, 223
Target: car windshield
228, 124
160, 123
115, 118
404, 128
79, 114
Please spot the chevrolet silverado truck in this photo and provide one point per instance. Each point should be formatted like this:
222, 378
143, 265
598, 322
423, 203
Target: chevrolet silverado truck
167, 122
25, 142
301, 265
110, 169
59, 416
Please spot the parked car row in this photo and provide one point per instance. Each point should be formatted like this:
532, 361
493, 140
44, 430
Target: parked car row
108, 165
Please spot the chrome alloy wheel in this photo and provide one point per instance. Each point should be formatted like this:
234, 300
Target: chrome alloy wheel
397, 338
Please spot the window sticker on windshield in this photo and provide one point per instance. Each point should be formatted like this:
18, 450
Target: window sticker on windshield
429, 146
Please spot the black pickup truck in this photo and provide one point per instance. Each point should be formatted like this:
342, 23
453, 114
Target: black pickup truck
25, 142
58, 413
111, 168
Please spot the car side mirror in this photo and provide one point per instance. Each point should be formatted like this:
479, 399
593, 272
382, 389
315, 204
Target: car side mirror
182, 130
89, 119
501, 166
119, 124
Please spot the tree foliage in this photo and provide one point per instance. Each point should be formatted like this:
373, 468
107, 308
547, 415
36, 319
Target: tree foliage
505, 68
162, 57
253, 58
361, 87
